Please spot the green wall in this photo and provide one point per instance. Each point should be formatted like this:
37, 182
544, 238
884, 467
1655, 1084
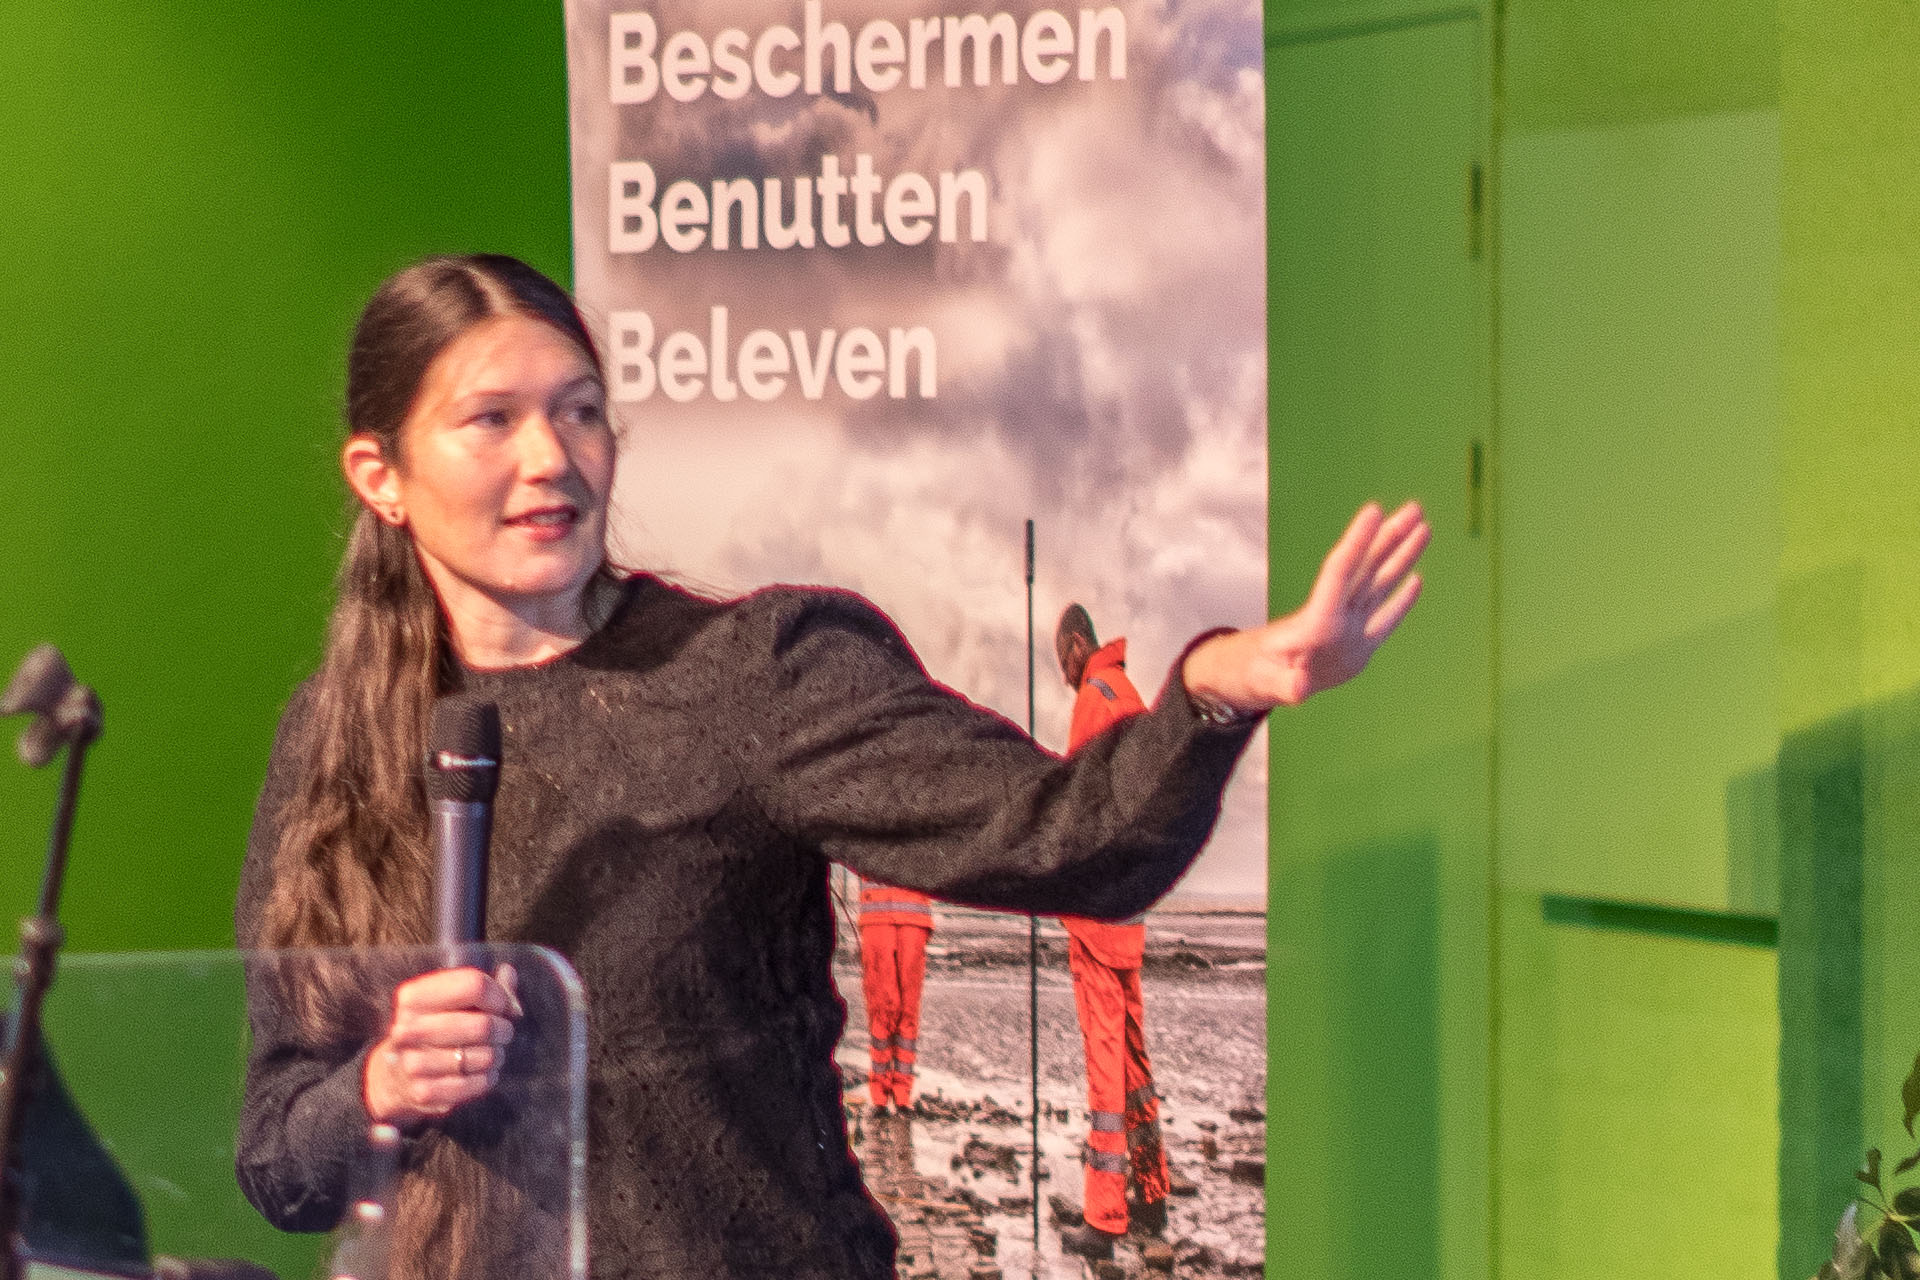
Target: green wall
1849, 597
199, 195
1698, 661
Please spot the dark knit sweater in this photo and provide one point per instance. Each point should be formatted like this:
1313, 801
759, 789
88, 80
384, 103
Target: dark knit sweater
671, 794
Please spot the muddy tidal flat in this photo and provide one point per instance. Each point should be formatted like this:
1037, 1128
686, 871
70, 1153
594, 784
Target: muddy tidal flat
955, 1171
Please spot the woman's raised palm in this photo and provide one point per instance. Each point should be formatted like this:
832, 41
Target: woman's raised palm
1365, 587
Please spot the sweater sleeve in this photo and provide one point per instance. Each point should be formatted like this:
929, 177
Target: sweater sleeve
907, 782
302, 1119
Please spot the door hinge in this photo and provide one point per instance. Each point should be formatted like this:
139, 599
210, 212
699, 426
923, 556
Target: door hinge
1476, 488
1476, 209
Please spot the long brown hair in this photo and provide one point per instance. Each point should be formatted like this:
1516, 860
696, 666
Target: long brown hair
352, 865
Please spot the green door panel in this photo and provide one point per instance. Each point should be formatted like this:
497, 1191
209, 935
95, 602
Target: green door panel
1377, 964
1636, 1106
1637, 1087
1639, 385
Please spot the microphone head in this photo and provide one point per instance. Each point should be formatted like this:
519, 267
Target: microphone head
463, 751
37, 687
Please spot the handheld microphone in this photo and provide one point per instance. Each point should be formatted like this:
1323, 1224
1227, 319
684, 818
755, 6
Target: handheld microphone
463, 770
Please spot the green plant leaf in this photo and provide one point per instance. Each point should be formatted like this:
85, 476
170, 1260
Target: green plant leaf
1908, 1163
1869, 1172
1906, 1203
1898, 1257
1910, 1096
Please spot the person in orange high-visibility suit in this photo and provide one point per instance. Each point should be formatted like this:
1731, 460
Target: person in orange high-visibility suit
1105, 958
894, 927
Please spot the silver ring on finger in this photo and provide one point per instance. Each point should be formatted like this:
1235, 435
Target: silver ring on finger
460, 1060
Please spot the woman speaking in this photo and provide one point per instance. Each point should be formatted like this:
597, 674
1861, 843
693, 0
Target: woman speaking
678, 773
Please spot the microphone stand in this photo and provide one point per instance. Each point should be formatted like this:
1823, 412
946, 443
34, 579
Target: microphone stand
66, 713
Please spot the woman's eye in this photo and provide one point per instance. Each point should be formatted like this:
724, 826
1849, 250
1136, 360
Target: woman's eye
587, 413
490, 418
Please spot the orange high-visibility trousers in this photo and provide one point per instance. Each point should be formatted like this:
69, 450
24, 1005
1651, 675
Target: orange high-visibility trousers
1124, 1135
893, 968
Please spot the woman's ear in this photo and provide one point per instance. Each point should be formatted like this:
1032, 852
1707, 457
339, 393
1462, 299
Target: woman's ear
374, 479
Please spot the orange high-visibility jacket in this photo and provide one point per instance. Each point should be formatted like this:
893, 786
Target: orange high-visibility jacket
1106, 697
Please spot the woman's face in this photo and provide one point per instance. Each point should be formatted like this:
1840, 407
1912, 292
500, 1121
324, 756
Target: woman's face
506, 460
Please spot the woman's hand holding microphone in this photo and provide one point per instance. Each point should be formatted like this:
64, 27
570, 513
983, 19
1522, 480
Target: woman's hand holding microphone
445, 1047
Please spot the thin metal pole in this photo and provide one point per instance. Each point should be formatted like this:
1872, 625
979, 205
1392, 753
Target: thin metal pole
40, 938
1033, 949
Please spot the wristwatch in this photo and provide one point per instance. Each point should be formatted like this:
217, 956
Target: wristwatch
1218, 715
1211, 712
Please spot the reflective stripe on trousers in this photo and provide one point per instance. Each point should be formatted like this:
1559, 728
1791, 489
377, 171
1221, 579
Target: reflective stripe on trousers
916, 909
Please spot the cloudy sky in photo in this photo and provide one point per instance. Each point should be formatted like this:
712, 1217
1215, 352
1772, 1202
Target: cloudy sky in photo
1101, 358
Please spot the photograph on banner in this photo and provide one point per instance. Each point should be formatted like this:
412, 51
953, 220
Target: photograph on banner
878, 285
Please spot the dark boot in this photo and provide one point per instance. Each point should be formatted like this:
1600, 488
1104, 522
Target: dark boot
1146, 1217
1088, 1242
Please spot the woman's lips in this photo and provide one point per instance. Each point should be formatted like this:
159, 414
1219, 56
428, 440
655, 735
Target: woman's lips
546, 524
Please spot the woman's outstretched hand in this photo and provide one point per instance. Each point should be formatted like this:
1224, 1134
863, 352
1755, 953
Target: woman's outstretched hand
445, 1047
1365, 587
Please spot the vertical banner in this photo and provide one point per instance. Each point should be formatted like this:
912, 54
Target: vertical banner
876, 284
